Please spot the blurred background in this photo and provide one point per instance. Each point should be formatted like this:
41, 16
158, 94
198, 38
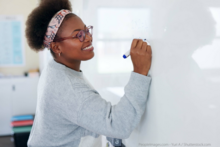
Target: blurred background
183, 104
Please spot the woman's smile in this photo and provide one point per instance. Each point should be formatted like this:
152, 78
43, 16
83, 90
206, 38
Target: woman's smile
89, 48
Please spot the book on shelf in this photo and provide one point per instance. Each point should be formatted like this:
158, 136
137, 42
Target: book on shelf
23, 117
21, 129
21, 123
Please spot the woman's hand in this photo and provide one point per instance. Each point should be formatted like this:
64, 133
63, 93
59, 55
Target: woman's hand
141, 55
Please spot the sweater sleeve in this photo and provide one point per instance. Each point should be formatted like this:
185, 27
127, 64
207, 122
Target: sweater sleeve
117, 121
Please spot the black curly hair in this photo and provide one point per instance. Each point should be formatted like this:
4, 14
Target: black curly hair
38, 20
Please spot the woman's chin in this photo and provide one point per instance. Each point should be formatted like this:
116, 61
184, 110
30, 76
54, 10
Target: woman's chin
90, 56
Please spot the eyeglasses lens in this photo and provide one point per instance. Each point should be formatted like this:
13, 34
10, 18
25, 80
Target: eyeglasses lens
81, 34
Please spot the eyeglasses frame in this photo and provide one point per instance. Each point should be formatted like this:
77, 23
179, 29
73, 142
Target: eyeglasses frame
71, 37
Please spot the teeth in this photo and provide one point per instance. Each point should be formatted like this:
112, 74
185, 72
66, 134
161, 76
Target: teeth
87, 47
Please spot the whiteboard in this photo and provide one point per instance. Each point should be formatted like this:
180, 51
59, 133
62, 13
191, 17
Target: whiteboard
183, 106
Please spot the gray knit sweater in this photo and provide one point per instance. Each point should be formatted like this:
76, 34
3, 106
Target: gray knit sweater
69, 108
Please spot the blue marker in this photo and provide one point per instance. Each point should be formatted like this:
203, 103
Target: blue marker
128, 52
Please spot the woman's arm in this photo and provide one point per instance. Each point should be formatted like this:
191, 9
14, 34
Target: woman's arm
117, 121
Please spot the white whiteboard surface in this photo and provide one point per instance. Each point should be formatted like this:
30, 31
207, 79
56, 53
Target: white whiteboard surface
184, 101
183, 108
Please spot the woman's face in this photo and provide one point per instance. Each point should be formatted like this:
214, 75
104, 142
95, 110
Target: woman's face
71, 49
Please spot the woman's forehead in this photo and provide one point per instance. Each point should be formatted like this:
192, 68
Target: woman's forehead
79, 29
76, 23
72, 25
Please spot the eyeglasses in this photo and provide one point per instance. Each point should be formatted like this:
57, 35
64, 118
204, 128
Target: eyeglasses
81, 35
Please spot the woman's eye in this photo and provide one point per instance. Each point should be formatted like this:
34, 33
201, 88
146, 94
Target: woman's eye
79, 35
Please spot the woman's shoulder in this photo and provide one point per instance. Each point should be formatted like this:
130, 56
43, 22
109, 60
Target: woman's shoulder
52, 72
60, 74
52, 76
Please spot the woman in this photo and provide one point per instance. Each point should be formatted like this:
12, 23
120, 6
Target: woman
68, 108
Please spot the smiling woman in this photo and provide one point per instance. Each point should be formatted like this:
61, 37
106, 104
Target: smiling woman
69, 109
61, 31
70, 50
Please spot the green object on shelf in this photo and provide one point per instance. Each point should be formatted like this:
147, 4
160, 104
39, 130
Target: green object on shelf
107, 144
21, 129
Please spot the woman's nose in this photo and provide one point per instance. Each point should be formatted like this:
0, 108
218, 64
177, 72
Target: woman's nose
88, 37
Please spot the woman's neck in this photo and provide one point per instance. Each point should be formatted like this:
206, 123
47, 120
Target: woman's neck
75, 65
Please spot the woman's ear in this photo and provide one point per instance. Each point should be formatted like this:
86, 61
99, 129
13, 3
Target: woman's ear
55, 47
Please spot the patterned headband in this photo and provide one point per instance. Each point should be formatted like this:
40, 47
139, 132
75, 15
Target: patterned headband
53, 27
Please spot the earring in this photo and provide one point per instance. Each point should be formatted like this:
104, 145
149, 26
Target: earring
59, 54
